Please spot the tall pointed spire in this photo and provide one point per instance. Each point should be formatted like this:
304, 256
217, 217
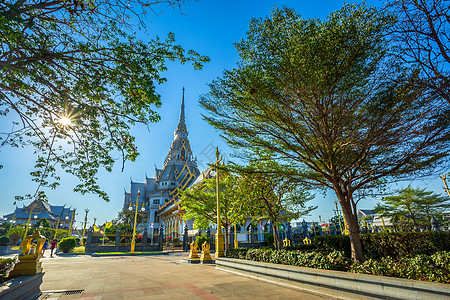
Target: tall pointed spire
182, 117
181, 128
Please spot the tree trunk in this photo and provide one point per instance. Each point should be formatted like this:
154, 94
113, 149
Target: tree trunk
225, 247
353, 228
276, 241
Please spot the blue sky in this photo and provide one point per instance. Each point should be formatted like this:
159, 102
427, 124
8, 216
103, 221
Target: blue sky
209, 27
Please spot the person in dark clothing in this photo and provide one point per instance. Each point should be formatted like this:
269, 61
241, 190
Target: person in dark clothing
52, 247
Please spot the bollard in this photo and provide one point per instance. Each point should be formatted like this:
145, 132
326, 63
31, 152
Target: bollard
161, 238
118, 237
185, 238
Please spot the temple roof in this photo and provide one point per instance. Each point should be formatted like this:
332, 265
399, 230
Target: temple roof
41, 210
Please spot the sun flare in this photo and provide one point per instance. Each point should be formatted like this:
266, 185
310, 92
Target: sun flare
65, 121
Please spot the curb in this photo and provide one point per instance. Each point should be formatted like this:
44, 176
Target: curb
129, 254
335, 284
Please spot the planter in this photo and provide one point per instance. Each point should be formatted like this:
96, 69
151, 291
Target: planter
335, 284
22, 287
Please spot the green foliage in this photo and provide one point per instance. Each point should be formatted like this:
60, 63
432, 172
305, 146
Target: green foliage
4, 241
6, 265
433, 267
49, 233
268, 239
44, 223
125, 221
395, 244
15, 234
271, 194
330, 103
4, 227
200, 202
425, 44
67, 244
414, 207
301, 247
76, 60
200, 239
334, 260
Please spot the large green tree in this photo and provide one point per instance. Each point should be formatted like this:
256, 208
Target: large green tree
414, 206
74, 79
272, 195
200, 202
326, 98
125, 220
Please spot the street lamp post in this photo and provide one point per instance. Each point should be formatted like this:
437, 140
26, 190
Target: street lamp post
219, 234
133, 243
71, 222
84, 227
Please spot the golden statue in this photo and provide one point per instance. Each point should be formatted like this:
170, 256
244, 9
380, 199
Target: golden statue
307, 241
193, 252
286, 242
206, 253
29, 259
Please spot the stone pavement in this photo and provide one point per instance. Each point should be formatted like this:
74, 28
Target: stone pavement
151, 277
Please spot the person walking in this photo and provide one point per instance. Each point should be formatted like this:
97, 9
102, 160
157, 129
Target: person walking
44, 247
52, 247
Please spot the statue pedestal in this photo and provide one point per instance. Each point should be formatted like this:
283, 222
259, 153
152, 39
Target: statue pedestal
193, 255
206, 254
30, 258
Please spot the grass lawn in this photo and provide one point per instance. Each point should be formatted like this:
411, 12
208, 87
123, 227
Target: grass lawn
107, 253
15, 248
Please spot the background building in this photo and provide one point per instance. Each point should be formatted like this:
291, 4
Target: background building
159, 195
40, 210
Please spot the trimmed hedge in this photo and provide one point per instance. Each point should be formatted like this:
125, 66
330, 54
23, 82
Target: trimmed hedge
334, 260
423, 267
394, 244
67, 244
301, 247
420, 267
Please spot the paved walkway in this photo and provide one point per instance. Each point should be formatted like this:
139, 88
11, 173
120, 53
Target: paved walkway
151, 277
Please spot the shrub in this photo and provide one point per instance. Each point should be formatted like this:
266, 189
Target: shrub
6, 265
4, 241
176, 240
67, 244
301, 247
394, 244
268, 239
15, 234
434, 267
334, 260
420, 267
200, 239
